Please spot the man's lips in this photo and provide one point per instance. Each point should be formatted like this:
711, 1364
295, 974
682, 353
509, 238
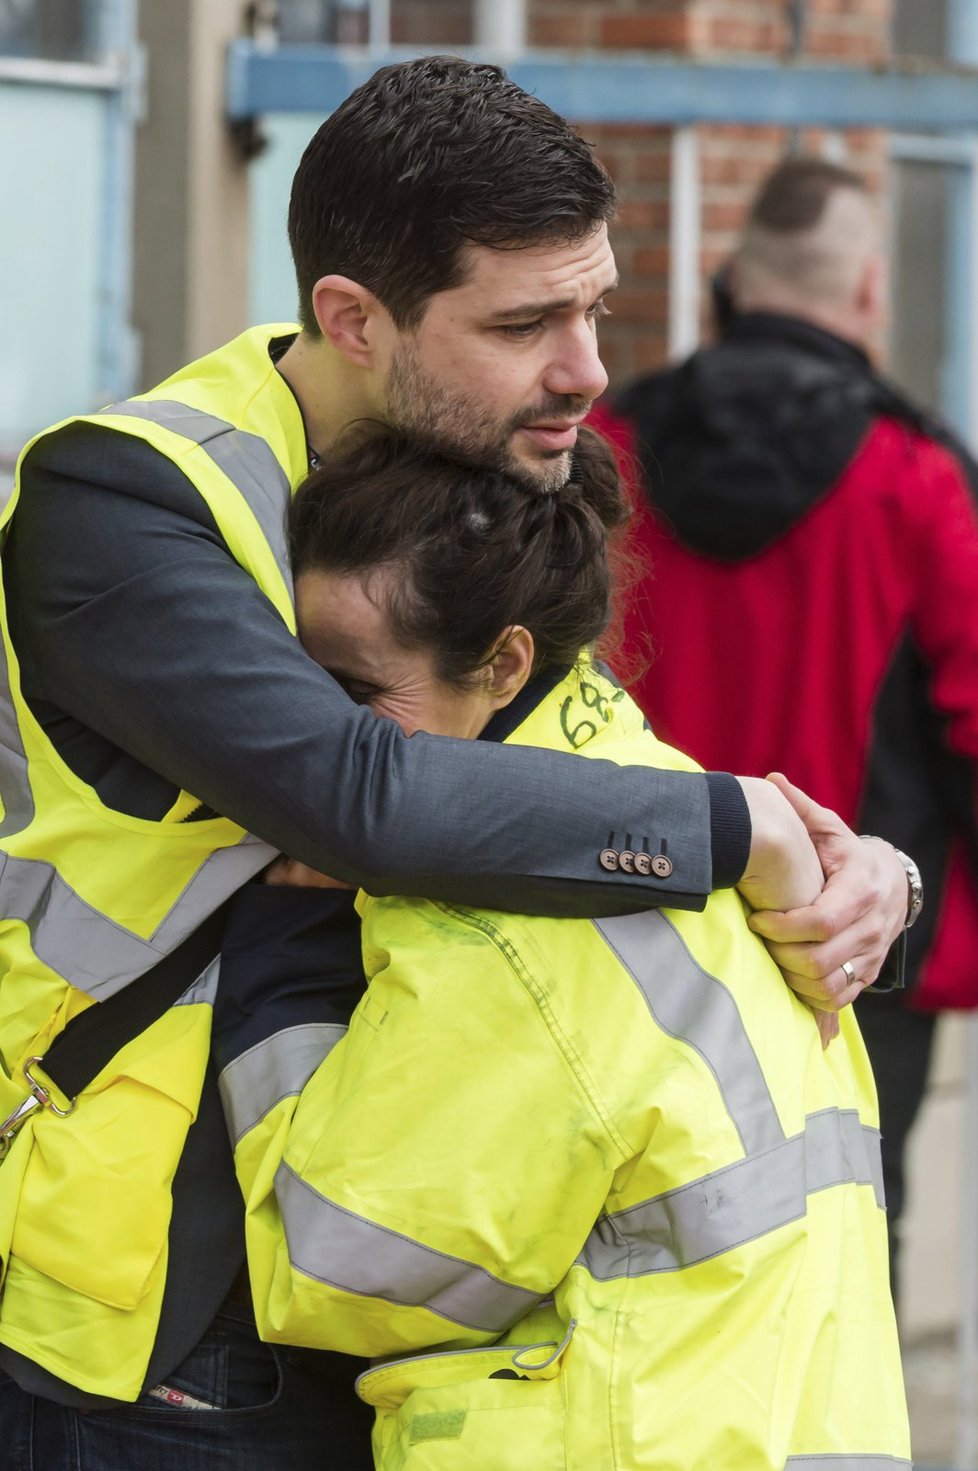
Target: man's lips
553, 434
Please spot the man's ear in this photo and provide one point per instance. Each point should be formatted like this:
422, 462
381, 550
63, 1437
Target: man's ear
347, 314
873, 287
512, 664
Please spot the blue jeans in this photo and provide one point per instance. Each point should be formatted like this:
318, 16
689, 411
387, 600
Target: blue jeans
278, 1409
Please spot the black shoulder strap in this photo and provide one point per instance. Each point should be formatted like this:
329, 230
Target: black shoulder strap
90, 1040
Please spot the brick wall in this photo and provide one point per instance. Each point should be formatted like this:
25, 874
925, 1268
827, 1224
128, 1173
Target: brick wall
853, 30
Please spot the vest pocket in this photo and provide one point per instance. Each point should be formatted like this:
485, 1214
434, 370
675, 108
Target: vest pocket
441, 1411
95, 1199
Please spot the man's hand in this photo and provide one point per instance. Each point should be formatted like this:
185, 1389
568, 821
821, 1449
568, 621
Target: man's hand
856, 917
299, 875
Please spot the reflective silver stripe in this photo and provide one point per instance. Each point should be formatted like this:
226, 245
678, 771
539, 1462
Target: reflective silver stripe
246, 459
738, 1203
695, 1007
67, 934
203, 992
767, 1189
90, 950
845, 1462
276, 1068
15, 786
335, 1246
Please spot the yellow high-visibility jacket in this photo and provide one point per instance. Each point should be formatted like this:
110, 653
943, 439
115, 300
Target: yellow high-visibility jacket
591, 1191
91, 898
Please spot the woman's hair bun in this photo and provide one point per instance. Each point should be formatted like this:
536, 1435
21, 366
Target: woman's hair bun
472, 550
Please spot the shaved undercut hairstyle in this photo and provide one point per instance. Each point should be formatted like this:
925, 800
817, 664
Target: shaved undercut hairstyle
795, 195
808, 232
424, 158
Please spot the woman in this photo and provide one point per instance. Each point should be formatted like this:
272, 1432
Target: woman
593, 1191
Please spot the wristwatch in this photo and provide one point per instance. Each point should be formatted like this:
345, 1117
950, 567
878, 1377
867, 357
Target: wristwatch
915, 888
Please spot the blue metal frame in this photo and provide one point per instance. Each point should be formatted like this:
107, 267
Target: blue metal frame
634, 89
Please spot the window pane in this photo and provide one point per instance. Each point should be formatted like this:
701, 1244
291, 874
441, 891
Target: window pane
53, 30
347, 22
324, 22
920, 28
919, 350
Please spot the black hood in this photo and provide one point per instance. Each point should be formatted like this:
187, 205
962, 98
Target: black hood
742, 439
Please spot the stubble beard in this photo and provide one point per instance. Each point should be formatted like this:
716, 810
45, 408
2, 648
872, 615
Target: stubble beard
457, 426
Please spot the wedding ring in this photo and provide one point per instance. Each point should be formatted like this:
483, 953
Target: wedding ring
849, 972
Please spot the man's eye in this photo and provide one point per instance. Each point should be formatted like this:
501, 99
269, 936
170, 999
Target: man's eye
599, 311
522, 330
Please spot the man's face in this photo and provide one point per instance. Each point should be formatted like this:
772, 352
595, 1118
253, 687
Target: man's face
504, 367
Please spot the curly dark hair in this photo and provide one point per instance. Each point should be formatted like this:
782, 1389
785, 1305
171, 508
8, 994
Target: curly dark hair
426, 156
474, 550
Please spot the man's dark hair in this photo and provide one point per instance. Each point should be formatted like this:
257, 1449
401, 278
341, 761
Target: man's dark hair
795, 195
473, 549
426, 156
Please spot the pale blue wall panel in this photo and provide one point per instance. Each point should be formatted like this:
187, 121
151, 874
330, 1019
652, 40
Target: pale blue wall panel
52, 145
272, 295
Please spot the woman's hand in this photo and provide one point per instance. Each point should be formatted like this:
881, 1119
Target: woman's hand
860, 912
783, 869
821, 896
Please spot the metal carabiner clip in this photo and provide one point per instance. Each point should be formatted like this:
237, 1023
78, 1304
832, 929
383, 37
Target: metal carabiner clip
14, 1120
42, 1094
40, 1097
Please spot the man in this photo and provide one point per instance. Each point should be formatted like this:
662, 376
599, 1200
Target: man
166, 735
815, 597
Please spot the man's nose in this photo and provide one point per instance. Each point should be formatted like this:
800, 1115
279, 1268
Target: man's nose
576, 369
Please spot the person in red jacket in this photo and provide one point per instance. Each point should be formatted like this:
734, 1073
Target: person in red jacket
811, 598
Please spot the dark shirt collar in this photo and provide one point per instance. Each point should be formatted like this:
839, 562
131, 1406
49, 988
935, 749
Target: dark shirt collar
797, 332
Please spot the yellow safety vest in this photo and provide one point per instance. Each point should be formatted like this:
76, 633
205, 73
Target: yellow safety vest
592, 1190
91, 898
